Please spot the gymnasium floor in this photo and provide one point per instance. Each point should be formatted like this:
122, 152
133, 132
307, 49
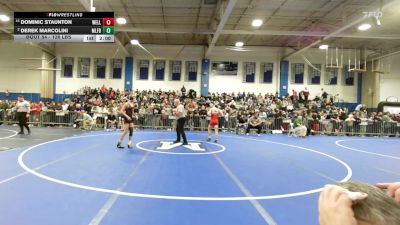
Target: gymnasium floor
242, 180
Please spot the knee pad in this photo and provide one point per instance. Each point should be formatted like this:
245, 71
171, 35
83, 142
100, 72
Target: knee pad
130, 131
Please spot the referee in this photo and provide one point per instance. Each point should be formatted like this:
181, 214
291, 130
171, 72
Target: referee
180, 115
23, 109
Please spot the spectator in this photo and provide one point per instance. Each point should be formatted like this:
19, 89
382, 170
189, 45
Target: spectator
35, 111
294, 95
298, 127
112, 121
3, 109
360, 107
323, 95
306, 93
321, 114
183, 90
85, 121
254, 123
349, 124
7, 95
392, 189
242, 121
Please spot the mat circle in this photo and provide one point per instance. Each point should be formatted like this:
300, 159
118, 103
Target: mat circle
171, 197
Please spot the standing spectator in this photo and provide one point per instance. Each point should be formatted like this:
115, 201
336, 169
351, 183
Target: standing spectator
324, 95
361, 107
7, 94
306, 93
203, 117
192, 94
183, 90
111, 94
3, 110
294, 95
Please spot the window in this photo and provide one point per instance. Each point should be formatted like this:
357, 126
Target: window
249, 69
314, 74
67, 66
116, 65
100, 68
159, 69
348, 78
331, 77
176, 67
297, 73
143, 69
191, 70
84, 67
267, 71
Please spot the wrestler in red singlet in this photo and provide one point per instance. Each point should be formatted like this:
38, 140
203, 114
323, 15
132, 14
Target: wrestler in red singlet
214, 113
214, 119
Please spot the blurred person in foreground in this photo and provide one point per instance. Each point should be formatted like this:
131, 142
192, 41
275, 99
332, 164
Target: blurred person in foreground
356, 203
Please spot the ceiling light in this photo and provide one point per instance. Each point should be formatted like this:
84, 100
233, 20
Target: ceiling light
239, 44
134, 42
238, 49
324, 47
4, 18
257, 23
121, 20
364, 26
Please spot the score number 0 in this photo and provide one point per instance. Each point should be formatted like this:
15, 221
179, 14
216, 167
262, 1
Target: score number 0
108, 25
108, 21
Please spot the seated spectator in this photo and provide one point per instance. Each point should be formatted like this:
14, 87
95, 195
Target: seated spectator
112, 121
355, 203
85, 121
299, 129
350, 124
254, 122
241, 121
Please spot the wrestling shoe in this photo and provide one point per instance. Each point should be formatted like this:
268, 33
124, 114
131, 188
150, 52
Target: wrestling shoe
120, 146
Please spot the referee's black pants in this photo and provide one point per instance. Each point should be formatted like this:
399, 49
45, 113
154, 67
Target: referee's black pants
180, 130
22, 121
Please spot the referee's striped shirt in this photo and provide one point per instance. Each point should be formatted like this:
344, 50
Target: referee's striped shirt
23, 106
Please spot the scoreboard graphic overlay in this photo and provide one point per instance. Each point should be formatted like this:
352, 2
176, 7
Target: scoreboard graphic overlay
64, 26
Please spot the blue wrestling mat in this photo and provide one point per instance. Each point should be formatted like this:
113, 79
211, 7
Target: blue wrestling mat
242, 180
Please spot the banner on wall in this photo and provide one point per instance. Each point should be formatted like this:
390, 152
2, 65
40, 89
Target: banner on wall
224, 68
